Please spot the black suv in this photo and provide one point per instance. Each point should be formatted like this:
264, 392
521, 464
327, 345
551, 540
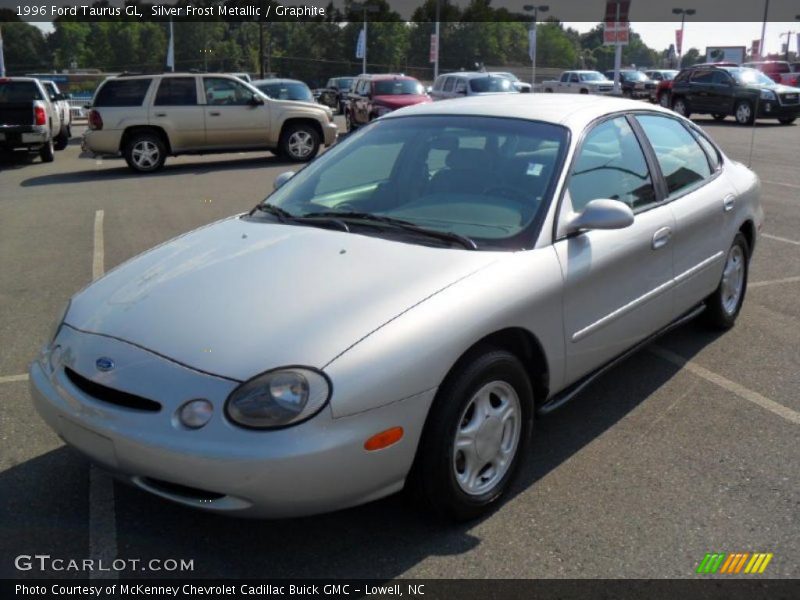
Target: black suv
738, 91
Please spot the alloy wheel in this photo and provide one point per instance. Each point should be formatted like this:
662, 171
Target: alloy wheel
733, 280
744, 113
145, 154
300, 144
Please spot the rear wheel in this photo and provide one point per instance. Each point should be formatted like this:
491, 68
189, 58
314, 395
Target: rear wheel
62, 139
719, 116
744, 113
584, 91
548, 91
145, 152
475, 435
664, 100
680, 106
787, 120
723, 306
348, 121
300, 142
47, 152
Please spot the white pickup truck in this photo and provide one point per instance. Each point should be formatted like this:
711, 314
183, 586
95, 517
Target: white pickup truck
579, 82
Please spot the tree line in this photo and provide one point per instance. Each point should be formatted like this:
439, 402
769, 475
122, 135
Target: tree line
314, 50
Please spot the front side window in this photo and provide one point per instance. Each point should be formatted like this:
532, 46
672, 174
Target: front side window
486, 178
288, 91
449, 84
593, 76
574, 78
225, 92
683, 162
461, 86
611, 164
177, 91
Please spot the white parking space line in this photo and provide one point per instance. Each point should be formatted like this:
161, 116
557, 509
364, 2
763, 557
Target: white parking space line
779, 409
102, 517
756, 284
12, 378
789, 185
780, 239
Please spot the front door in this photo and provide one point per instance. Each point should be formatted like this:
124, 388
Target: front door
617, 283
232, 119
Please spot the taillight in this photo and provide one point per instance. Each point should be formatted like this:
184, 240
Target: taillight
40, 115
95, 120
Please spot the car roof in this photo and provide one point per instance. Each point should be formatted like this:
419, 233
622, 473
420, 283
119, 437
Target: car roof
571, 110
275, 80
388, 76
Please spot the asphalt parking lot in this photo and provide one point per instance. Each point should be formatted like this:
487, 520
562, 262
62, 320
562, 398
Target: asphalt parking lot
686, 448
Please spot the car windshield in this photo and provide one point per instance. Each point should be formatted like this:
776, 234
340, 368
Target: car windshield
633, 76
287, 91
749, 76
343, 83
594, 76
485, 178
398, 87
509, 76
491, 84
668, 75
19, 91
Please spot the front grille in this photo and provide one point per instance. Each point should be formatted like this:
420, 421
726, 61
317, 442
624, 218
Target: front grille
793, 98
110, 395
183, 491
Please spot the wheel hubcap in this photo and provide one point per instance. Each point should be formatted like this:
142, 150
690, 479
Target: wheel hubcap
743, 113
733, 280
487, 438
145, 154
680, 108
300, 144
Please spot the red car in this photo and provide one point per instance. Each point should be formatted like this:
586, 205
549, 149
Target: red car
779, 71
374, 95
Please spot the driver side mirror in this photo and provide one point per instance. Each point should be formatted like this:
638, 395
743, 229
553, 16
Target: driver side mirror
601, 214
256, 100
282, 179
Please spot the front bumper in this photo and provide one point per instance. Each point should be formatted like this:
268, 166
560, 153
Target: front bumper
329, 132
771, 109
317, 466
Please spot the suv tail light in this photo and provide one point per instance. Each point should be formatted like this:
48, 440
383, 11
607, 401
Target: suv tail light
39, 115
95, 120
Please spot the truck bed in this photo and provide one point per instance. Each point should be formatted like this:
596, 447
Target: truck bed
16, 113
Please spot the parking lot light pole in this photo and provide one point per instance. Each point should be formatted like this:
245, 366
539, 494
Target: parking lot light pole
682, 12
535, 9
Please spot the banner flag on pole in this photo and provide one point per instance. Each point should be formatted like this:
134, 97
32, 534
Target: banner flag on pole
171, 49
2, 58
362, 42
532, 42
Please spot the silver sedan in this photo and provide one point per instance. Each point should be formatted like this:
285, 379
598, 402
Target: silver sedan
395, 314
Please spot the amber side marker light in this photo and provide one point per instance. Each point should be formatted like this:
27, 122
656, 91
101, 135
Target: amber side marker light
384, 439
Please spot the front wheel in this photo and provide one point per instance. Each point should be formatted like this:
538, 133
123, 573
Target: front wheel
475, 435
723, 306
663, 100
787, 120
719, 116
300, 143
680, 106
348, 122
744, 113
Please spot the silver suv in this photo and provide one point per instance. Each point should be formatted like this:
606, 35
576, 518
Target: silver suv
147, 117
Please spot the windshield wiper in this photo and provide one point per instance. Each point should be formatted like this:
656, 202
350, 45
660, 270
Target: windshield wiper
284, 216
448, 236
276, 211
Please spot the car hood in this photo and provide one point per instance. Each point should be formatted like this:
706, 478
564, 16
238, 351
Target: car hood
238, 297
401, 100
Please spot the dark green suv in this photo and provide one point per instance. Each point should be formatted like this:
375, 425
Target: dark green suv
745, 93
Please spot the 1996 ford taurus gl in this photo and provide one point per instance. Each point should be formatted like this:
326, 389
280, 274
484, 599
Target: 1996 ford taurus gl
396, 313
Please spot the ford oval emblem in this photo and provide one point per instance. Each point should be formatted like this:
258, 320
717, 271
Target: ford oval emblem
104, 364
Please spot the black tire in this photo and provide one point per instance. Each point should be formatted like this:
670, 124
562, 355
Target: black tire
145, 152
787, 121
681, 106
348, 121
584, 91
434, 477
548, 91
743, 113
62, 139
47, 152
718, 314
299, 142
719, 116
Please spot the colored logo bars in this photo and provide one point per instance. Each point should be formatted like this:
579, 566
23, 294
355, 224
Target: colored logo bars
734, 563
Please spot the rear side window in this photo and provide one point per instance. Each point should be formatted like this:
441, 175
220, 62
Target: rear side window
177, 91
711, 150
683, 162
122, 92
703, 77
611, 164
448, 85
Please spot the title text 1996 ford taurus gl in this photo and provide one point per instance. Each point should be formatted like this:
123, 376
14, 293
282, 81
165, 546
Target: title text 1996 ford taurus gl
396, 313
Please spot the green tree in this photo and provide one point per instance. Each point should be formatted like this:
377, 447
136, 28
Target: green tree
24, 48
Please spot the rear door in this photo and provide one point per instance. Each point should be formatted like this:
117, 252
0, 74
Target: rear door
720, 93
617, 283
176, 109
231, 119
701, 201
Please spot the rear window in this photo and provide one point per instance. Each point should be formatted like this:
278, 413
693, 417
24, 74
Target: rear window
177, 91
19, 91
492, 84
122, 92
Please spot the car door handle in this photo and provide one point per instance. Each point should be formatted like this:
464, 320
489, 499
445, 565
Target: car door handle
729, 202
161, 114
661, 237
213, 114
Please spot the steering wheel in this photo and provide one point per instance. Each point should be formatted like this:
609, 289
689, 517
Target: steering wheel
509, 192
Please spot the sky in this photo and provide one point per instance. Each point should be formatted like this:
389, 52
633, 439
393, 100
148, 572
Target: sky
696, 34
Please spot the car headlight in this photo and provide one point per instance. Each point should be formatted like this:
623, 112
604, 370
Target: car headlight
56, 326
768, 95
278, 398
